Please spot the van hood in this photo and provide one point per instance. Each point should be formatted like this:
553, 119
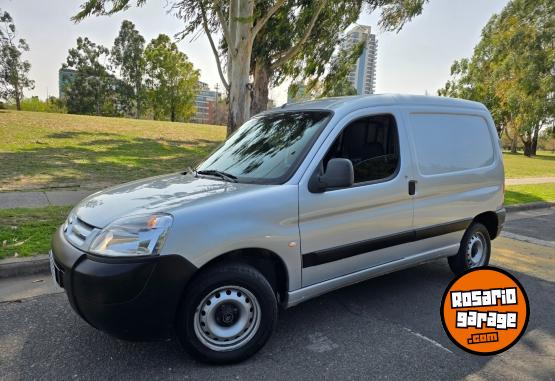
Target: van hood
154, 194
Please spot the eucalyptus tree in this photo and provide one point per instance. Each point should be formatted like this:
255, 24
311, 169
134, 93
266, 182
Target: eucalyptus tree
92, 88
301, 43
127, 55
14, 70
171, 80
512, 70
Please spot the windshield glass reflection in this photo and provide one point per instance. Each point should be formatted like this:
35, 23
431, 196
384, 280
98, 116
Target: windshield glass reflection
267, 148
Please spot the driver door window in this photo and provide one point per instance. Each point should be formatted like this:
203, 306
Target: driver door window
372, 145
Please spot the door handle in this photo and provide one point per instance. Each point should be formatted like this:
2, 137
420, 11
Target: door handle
412, 187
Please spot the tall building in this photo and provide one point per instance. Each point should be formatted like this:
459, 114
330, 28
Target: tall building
363, 75
203, 100
65, 76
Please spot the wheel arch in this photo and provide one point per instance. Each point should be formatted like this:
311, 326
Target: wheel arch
490, 221
270, 264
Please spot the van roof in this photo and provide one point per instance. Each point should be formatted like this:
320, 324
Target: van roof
358, 101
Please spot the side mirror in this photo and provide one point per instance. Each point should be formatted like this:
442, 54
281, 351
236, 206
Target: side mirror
339, 174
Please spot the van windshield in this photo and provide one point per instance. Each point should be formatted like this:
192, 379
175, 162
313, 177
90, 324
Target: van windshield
268, 148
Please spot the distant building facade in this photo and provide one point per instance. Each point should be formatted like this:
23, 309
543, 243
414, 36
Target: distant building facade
363, 74
204, 102
65, 76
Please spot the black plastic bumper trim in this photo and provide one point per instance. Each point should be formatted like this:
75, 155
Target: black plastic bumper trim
341, 252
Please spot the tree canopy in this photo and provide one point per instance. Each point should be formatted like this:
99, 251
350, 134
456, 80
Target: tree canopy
512, 70
92, 89
127, 55
300, 42
301, 30
14, 70
130, 79
172, 80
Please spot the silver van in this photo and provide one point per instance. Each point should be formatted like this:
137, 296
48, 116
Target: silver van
301, 200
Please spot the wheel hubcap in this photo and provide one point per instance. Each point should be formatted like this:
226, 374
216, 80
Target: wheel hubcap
475, 251
227, 318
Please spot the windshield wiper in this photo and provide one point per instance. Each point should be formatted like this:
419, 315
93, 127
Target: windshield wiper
190, 171
223, 175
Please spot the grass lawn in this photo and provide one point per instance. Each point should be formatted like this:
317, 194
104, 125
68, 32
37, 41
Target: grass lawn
29, 231
521, 194
41, 150
518, 165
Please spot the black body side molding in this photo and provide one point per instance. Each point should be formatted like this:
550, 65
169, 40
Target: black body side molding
341, 252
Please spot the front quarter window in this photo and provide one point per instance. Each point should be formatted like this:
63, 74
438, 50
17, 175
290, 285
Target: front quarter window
268, 148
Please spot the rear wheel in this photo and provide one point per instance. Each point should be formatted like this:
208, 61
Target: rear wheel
227, 314
474, 251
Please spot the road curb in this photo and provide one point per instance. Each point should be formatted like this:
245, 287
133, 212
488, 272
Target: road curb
529, 206
13, 267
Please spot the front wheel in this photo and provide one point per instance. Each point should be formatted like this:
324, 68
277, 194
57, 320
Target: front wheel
474, 251
227, 314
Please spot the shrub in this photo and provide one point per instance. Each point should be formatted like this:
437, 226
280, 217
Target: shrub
53, 104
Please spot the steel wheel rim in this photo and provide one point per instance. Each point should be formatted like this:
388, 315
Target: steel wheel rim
227, 318
476, 250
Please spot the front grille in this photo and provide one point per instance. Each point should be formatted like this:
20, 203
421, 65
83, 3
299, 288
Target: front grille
78, 231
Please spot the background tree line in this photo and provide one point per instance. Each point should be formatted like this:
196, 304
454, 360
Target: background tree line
512, 71
132, 79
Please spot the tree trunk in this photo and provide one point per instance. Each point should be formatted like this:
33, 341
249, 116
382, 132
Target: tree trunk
500, 130
17, 97
172, 116
239, 94
528, 148
514, 143
240, 58
527, 143
261, 87
138, 100
535, 136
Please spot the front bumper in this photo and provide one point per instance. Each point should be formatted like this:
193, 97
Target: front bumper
131, 298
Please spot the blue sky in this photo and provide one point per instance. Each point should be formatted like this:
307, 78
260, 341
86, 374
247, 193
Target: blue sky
414, 61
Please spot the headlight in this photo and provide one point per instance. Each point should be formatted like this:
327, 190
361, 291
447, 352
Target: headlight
131, 236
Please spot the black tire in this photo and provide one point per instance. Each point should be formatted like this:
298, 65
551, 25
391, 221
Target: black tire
205, 285
463, 260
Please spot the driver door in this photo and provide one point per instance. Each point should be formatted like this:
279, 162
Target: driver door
351, 229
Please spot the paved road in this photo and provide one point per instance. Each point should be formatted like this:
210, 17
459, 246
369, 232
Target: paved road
539, 225
388, 327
